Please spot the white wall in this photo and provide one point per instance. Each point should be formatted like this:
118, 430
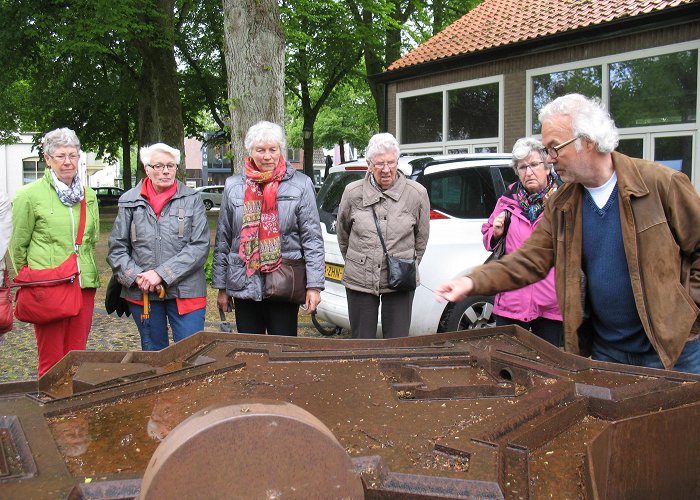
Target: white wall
11, 156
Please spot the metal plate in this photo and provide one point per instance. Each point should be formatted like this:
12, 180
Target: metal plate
334, 271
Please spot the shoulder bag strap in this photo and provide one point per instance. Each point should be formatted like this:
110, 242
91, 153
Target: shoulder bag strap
379, 231
81, 224
506, 223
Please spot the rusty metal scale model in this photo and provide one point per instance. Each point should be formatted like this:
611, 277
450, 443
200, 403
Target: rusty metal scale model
493, 413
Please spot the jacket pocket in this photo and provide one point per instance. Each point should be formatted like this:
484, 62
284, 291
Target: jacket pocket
236, 278
356, 268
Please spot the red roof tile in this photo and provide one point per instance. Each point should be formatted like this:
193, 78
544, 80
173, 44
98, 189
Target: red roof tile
501, 22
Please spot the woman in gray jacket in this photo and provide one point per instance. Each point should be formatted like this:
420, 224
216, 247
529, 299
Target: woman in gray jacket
402, 211
267, 213
159, 245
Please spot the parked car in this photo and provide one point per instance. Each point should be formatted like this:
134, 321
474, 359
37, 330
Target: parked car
211, 196
108, 196
463, 190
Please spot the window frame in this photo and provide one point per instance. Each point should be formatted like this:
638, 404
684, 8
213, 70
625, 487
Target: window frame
445, 145
647, 132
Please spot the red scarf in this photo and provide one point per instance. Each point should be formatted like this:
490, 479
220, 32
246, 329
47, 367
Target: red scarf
260, 235
157, 200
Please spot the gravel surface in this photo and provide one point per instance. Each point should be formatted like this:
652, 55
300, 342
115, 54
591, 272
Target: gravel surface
18, 355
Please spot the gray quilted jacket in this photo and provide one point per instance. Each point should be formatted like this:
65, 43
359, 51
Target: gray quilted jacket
176, 245
300, 232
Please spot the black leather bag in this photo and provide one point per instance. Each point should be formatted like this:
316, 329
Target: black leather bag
113, 299
402, 272
287, 283
499, 250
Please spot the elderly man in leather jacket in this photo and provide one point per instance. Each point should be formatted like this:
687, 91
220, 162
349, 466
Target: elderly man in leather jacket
622, 235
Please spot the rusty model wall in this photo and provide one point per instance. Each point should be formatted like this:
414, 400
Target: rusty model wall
494, 413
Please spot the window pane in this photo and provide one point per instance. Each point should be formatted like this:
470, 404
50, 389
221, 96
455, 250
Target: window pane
546, 88
328, 198
654, 90
421, 118
632, 147
32, 170
675, 152
509, 176
473, 112
466, 193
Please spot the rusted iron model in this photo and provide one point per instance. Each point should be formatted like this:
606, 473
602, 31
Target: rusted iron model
494, 413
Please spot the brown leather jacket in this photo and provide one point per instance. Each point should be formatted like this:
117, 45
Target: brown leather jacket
403, 212
660, 218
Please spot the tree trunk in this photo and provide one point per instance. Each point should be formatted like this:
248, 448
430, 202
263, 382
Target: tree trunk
159, 109
126, 153
308, 145
254, 50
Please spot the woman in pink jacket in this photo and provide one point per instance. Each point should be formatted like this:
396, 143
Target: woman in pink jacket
533, 307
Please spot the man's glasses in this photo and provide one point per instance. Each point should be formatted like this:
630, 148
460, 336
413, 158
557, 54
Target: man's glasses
160, 166
533, 167
390, 164
61, 158
553, 151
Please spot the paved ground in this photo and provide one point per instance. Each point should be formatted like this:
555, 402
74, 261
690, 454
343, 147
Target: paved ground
18, 356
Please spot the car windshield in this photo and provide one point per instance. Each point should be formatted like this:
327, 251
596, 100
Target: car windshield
328, 197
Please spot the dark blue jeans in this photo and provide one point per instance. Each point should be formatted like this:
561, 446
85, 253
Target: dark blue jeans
689, 360
154, 330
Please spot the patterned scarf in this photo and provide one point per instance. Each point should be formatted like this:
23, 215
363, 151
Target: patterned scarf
69, 195
533, 203
260, 235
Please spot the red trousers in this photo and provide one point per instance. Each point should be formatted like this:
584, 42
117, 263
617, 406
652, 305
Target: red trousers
55, 340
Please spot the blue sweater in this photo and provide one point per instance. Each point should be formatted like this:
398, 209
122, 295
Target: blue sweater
609, 290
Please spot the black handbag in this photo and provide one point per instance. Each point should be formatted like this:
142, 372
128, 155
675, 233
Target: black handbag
287, 283
113, 299
402, 272
499, 250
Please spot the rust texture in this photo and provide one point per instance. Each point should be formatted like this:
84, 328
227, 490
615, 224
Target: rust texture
494, 413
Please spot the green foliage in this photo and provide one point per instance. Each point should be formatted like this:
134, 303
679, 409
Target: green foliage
78, 63
208, 266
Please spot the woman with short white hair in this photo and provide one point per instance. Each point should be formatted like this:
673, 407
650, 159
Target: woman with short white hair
157, 250
46, 216
268, 220
516, 215
385, 200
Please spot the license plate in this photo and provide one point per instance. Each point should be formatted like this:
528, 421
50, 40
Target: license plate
334, 272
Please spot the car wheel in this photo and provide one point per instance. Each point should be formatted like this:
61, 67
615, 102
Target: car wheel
470, 313
334, 330
208, 204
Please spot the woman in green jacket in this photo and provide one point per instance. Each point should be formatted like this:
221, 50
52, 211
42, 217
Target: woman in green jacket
45, 218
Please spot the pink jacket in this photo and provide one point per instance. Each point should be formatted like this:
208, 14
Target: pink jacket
533, 301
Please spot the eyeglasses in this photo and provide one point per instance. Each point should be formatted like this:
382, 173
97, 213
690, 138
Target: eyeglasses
553, 151
161, 166
390, 164
522, 169
61, 158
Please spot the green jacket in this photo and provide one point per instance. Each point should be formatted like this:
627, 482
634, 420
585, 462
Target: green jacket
44, 230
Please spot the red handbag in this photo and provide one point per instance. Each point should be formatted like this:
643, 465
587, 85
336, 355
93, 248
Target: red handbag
47, 295
5, 305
